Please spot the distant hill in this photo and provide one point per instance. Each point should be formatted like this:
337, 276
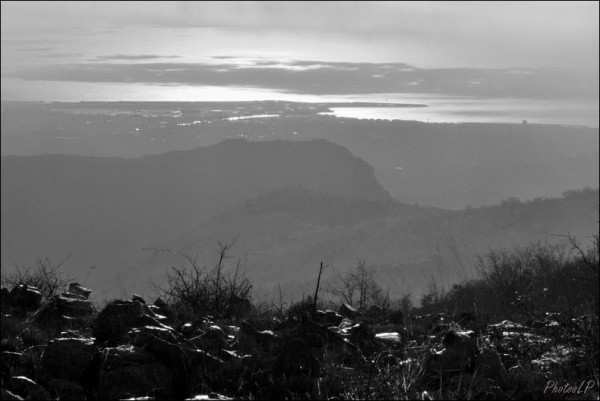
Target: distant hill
291, 204
104, 210
448, 166
284, 235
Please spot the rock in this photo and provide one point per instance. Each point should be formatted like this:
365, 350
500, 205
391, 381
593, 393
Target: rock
67, 358
249, 340
162, 310
490, 365
77, 290
6, 395
213, 339
458, 355
160, 303
118, 317
12, 358
182, 360
64, 311
27, 388
389, 338
345, 323
209, 397
25, 296
348, 311
508, 326
74, 307
187, 329
361, 335
146, 320
137, 298
328, 318
128, 371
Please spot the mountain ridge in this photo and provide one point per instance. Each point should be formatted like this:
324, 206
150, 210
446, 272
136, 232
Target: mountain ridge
102, 208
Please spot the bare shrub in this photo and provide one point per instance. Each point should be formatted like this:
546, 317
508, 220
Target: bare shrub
47, 276
199, 290
359, 289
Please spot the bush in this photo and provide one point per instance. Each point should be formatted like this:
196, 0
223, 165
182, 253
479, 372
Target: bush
359, 288
196, 291
48, 277
525, 283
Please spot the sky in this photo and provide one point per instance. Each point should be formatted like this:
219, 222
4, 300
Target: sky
299, 50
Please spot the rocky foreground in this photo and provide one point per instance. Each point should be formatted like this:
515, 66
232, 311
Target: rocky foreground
63, 348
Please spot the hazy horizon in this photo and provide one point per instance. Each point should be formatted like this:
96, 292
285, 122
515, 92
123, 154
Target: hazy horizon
540, 58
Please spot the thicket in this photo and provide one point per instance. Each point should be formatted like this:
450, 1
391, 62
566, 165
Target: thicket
527, 282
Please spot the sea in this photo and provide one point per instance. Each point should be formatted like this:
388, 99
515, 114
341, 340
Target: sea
436, 108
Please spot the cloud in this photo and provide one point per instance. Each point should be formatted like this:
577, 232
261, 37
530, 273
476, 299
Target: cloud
331, 78
133, 57
515, 33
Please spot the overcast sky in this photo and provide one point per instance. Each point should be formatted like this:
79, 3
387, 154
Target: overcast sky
488, 49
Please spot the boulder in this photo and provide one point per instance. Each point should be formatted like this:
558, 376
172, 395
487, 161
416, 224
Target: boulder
27, 388
213, 339
76, 290
67, 358
129, 371
249, 340
389, 339
74, 307
361, 335
209, 397
64, 311
182, 360
327, 318
25, 296
118, 317
508, 326
348, 311
162, 310
458, 355
137, 298
12, 358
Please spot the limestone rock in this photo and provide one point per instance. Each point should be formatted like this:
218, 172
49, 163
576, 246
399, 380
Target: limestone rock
67, 358
348, 311
118, 317
79, 291
128, 371
25, 296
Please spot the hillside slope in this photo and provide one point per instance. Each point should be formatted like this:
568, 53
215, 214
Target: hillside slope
104, 210
282, 237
